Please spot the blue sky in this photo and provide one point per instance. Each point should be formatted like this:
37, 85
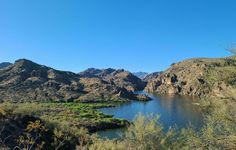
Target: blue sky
138, 35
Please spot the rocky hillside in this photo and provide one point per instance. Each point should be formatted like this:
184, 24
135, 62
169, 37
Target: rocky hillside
4, 64
201, 77
120, 78
26, 81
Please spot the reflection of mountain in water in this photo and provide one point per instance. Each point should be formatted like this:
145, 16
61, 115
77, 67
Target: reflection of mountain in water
181, 109
173, 110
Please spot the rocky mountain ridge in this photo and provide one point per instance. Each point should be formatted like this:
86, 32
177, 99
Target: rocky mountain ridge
4, 64
202, 77
120, 77
26, 81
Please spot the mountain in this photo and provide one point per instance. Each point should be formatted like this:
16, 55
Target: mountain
203, 77
26, 81
91, 72
141, 75
4, 64
120, 78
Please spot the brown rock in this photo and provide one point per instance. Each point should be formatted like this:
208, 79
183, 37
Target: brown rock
197, 77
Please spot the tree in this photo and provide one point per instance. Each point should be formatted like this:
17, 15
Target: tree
32, 136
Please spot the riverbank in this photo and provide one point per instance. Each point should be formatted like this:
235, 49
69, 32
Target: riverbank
81, 115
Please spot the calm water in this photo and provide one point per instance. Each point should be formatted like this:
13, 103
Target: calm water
173, 110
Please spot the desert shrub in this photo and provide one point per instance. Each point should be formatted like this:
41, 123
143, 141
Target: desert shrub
219, 132
59, 129
145, 133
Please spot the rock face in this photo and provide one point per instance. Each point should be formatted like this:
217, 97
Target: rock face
120, 78
4, 64
26, 81
198, 77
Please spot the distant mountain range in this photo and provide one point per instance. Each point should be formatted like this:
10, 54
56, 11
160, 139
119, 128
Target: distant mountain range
141, 75
4, 64
146, 76
25, 81
151, 76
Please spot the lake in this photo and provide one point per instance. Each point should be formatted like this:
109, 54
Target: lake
173, 110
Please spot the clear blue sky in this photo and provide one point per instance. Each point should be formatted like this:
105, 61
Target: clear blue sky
138, 35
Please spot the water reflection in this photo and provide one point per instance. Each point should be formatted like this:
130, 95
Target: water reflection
173, 110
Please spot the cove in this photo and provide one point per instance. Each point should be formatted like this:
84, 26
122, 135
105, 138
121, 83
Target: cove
173, 110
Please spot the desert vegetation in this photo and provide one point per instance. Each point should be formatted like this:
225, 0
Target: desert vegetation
70, 126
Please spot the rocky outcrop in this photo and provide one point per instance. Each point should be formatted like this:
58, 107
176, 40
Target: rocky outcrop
120, 78
142, 97
28, 81
198, 77
97, 89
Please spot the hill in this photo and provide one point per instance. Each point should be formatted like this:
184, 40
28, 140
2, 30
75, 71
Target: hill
120, 78
203, 77
29, 81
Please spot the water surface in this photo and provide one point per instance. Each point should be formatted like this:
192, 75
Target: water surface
173, 110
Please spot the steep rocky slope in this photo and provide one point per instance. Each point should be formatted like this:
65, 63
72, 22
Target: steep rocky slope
121, 78
201, 77
26, 80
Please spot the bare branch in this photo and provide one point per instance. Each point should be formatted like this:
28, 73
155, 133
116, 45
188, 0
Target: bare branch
232, 49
